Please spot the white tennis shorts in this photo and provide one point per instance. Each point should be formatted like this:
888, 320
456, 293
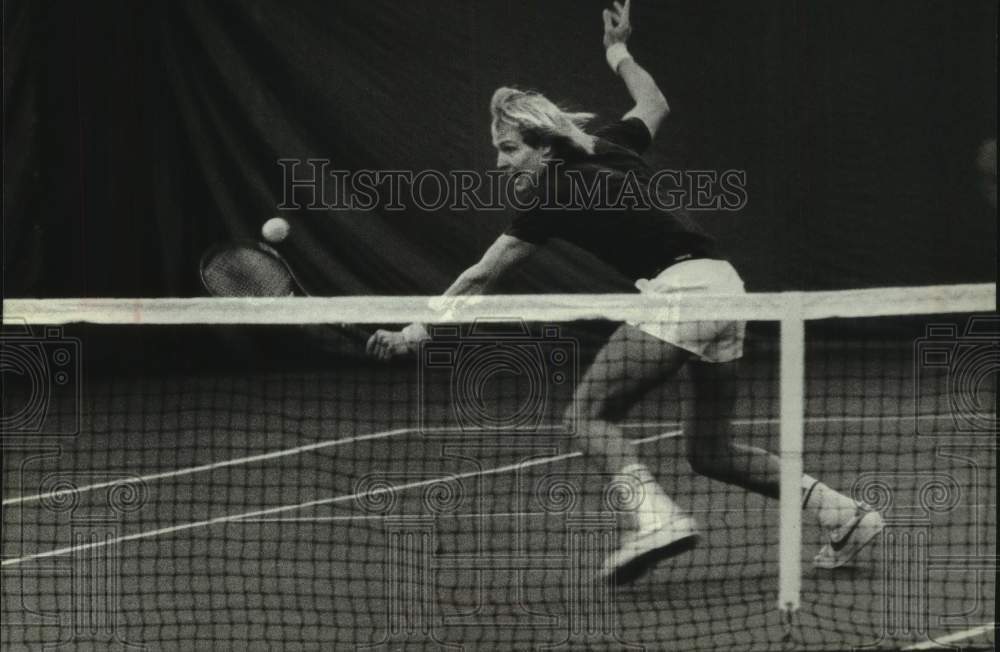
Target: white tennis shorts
714, 341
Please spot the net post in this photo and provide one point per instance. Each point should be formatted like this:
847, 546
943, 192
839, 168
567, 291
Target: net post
792, 389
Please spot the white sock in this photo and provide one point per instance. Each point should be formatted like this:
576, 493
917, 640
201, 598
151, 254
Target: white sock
656, 508
831, 508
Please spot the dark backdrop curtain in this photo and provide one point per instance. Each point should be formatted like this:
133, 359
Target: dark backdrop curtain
138, 133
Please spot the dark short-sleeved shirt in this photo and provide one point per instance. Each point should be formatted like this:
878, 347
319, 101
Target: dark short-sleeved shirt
638, 242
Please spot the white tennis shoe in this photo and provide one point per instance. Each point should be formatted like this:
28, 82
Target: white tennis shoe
641, 549
847, 540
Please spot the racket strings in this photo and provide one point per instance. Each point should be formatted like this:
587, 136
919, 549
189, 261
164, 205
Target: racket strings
246, 273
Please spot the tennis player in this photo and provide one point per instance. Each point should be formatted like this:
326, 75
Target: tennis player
548, 148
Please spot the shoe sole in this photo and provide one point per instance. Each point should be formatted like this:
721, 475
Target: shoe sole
630, 570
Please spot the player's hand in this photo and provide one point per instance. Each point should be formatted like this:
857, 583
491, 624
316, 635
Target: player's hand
386, 345
617, 26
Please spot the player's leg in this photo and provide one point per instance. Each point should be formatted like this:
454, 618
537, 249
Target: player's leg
627, 367
712, 452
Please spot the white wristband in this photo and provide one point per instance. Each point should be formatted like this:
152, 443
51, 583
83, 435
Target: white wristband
615, 54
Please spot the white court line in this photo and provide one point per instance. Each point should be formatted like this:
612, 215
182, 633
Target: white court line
378, 517
313, 503
283, 508
401, 431
823, 419
951, 638
287, 508
374, 517
664, 435
208, 467
489, 515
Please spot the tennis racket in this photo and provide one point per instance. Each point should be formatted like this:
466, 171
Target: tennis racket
253, 269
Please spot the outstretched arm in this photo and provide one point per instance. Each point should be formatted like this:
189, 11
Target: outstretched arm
506, 252
503, 254
650, 105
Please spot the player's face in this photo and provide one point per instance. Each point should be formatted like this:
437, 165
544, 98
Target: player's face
514, 156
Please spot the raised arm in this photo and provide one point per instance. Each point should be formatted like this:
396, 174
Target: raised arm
650, 105
506, 252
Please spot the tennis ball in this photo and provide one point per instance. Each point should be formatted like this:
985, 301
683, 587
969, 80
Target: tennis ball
275, 229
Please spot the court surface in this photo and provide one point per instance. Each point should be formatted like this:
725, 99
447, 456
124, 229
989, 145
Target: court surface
482, 541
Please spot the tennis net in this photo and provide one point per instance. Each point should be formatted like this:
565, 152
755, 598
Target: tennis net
217, 473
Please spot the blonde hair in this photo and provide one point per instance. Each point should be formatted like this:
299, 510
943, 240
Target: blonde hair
538, 118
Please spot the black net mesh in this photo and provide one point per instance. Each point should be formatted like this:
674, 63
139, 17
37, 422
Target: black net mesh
247, 487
